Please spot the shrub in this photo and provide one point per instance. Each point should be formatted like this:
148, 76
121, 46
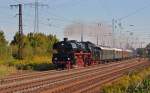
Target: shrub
38, 63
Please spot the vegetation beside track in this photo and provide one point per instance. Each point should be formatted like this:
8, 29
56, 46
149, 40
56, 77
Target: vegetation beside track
36, 51
5, 70
135, 82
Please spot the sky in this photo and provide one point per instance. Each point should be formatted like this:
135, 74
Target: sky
61, 13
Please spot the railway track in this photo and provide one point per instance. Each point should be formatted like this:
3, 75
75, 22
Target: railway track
95, 87
53, 78
27, 76
57, 81
73, 79
85, 84
20, 77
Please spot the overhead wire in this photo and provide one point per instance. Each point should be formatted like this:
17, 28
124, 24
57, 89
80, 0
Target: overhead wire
134, 12
62, 19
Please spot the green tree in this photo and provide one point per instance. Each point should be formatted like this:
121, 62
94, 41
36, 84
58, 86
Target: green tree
148, 50
3, 41
4, 49
51, 41
141, 52
41, 43
34, 44
21, 47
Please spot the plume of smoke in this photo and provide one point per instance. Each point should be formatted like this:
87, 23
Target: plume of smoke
90, 32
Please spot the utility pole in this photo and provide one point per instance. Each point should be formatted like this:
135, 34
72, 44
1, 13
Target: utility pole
99, 25
20, 20
120, 40
113, 32
36, 16
36, 20
20, 30
97, 39
120, 35
141, 44
82, 29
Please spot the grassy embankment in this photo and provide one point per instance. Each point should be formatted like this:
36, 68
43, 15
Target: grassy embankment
39, 63
135, 82
6, 70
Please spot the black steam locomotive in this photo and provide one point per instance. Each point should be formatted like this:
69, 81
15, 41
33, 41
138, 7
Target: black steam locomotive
70, 53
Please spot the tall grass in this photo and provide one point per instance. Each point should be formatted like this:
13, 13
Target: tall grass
129, 83
39, 63
6, 70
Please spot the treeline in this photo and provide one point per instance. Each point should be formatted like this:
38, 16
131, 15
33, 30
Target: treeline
34, 44
36, 49
144, 52
4, 48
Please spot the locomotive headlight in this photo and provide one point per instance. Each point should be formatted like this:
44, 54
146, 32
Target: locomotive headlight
68, 58
55, 58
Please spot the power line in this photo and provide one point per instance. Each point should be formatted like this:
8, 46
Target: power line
36, 6
36, 21
60, 18
134, 12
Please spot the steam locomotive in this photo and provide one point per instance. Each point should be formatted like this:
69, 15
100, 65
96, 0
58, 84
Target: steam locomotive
70, 53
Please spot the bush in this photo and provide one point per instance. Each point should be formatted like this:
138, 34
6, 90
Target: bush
38, 63
43, 66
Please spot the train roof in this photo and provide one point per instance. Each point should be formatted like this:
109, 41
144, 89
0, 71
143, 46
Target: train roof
105, 48
129, 50
117, 49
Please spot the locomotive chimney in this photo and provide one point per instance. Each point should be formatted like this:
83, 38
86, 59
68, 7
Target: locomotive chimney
65, 39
